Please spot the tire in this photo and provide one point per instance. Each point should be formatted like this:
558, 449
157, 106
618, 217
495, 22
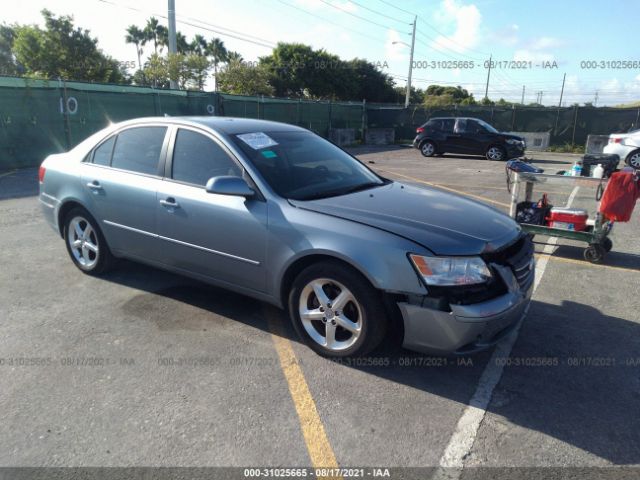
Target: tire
85, 242
358, 325
428, 148
495, 153
607, 244
594, 253
633, 159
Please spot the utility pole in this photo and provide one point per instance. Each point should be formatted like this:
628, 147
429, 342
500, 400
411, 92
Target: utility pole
522, 101
486, 89
595, 103
562, 90
413, 42
172, 36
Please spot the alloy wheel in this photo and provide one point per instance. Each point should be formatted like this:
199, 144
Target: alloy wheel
494, 153
83, 242
330, 314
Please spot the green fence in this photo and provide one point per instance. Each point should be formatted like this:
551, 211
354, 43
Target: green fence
39, 117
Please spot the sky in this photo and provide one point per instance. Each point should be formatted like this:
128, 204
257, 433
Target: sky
544, 39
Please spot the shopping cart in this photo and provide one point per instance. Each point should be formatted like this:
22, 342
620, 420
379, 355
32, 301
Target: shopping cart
596, 234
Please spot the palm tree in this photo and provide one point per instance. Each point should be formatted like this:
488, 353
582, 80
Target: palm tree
137, 37
163, 36
199, 45
182, 46
152, 32
216, 50
234, 57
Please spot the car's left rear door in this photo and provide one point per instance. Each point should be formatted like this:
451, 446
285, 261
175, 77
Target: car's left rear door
221, 237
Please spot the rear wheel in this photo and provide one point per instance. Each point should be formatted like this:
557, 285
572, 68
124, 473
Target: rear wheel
336, 311
633, 159
594, 253
85, 243
428, 148
495, 153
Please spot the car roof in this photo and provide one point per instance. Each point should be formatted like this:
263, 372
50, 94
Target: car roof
227, 125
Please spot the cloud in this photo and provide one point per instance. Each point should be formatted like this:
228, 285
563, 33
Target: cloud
544, 43
525, 55
465, 19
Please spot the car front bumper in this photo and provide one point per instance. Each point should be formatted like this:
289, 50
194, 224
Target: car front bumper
466, 328
514, 151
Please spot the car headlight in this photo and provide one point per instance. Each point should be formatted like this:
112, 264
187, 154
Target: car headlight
513, 141
443, 271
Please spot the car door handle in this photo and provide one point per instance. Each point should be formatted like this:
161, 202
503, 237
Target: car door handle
170, 202
95, 185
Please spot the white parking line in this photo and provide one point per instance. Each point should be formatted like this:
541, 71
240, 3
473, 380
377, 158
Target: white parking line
461, 442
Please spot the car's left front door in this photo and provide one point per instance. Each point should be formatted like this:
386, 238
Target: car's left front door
221, 237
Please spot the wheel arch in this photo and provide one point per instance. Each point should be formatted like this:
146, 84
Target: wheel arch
627, 159
65, 207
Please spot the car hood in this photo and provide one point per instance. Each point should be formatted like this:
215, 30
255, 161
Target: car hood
506, 136
445, 223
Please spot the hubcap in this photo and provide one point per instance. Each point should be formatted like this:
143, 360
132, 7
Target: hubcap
634, 160
427, 148
494, 153
330, 314
83, 242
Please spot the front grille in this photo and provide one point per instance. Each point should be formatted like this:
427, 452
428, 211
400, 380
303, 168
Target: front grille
517, 257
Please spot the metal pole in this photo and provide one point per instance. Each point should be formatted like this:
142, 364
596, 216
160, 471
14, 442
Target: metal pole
522, 101
413, 43
562, 90
173, 49
575, 121
364, 117
486, 90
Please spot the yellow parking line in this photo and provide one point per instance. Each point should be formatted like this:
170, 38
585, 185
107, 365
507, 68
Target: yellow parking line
315, 437
484, 199
585, 263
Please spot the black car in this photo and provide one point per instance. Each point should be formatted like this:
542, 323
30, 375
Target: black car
471, 136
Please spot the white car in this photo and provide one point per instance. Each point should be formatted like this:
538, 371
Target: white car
626, 146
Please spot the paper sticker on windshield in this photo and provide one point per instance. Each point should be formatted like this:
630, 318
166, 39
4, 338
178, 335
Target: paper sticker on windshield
257, 140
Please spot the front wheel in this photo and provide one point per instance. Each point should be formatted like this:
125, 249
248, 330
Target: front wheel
85, 243
495, 153
336, 311
594, 253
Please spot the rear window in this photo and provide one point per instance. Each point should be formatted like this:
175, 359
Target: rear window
102, 154
138, 149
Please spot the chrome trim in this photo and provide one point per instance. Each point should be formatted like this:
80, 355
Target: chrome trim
180, 242
131, 229
51, 197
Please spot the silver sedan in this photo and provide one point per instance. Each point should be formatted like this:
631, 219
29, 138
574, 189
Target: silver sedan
277, 213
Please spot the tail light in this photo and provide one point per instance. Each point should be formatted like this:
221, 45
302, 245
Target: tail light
419, 130
41, 173
615, 140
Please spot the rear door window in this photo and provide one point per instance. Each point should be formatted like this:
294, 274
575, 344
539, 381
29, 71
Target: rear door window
102, 154
138, 149
447, 124
461, 125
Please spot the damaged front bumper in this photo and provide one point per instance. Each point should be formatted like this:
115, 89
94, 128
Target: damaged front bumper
467, 328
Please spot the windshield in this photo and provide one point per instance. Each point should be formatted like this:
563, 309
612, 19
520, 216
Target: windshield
304, 166
487, 126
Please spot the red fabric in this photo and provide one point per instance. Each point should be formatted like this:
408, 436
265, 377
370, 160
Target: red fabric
620, 196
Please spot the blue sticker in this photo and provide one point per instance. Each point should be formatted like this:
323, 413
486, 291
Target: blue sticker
268, 154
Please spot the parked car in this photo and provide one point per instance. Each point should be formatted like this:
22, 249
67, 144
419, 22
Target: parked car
626, 146
276, 212
470, 136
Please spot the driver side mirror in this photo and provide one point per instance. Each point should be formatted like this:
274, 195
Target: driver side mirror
228, 185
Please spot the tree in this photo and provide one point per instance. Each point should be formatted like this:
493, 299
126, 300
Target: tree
64, 51
440, 96
156, 71
7, 63
244, 79
199, 45
416, 96
218, 53
136, 36
234, 57
152, 31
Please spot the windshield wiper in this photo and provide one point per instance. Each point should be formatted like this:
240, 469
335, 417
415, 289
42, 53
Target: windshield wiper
341, 191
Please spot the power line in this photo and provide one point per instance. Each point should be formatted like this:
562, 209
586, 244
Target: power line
329, 21
386, 27
378, 13
396, 7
